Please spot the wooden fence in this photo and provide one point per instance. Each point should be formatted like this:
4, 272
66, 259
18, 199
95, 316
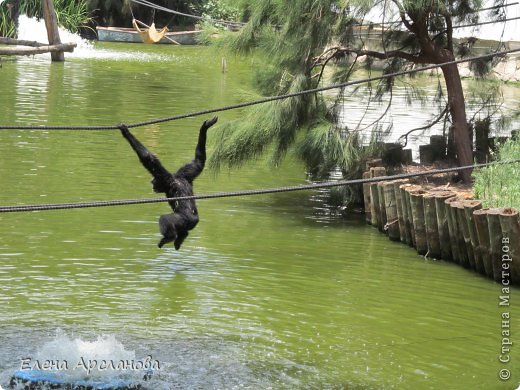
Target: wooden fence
447, 225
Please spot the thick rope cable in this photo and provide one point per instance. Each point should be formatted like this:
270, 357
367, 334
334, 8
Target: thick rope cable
263, 100
168, 10
147, 3
399, 21
487, 22
126, 202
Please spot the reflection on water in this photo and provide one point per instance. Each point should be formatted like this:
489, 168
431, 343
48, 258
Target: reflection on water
272, 291
410, 108
31, 29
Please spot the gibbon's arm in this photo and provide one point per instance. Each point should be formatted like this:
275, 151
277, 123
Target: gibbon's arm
193, 169
147, 158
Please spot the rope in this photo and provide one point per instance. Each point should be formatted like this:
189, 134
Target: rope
488, 22
388, 224
263, 100
147, 3
399, 21
161, 8
125, 202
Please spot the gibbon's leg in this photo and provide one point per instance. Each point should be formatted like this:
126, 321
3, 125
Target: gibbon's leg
180, 239
167, 228
187, 221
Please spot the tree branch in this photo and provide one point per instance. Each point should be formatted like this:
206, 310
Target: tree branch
429, 125
402, 14
336, 51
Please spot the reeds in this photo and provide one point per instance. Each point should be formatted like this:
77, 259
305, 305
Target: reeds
71, 15
499, 185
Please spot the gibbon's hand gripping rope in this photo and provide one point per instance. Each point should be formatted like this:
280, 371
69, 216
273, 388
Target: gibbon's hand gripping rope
263, 100
61, 206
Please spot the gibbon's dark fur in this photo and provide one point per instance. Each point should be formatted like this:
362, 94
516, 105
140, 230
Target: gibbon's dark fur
174, 226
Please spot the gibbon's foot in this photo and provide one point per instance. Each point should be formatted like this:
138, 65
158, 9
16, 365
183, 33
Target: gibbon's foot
164, 241
210, 122
179, 240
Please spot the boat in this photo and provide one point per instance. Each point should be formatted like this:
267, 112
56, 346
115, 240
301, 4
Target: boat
124, 34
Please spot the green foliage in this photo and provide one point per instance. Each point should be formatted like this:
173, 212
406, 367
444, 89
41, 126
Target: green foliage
306, 42
274, 123
289, 34
499, 185
220, 10
7, 27
324, 148
71, 14
32, 8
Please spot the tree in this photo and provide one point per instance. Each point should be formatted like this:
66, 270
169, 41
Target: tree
289, 37
301, 38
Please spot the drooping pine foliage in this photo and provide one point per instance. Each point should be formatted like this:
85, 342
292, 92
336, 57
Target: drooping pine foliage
306, 41
291, 35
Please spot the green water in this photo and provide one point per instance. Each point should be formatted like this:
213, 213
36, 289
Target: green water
276, 291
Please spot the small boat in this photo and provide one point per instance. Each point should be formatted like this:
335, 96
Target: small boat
124, 34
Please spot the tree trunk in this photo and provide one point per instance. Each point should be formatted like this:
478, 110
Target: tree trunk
457, 106
51, 22
434, 54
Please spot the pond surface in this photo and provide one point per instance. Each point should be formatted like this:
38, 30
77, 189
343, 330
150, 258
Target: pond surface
276, 291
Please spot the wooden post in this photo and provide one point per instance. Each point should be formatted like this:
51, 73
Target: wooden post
400, 213
481, 224
374, 195
495, 242
466, 250
416, 200
426, 154
375, 216
407, 156
469, 207
453, 228
407, 189
392, 223
432, 228
405, 205
400, 209
442, 223
438, 144
51, 22
511, 243
366, 197
382, 207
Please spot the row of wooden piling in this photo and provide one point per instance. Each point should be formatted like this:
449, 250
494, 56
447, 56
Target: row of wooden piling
442, 224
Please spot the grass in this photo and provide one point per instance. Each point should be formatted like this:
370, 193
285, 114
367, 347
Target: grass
7, 27
499, 186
